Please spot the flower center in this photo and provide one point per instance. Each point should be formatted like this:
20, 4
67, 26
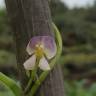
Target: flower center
39, 50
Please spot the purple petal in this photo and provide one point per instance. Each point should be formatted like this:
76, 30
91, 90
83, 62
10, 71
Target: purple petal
32, 44
49, 47
30, 63
43, 64
47, 41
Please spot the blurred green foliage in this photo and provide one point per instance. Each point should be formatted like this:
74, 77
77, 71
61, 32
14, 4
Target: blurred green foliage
7, 49
7, 58
78, 89
78, 29
78, 25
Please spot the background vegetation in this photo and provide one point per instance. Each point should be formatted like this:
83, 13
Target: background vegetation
78, 60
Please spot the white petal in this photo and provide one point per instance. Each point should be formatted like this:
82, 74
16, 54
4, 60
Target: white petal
30, 63
43, 64
29, 49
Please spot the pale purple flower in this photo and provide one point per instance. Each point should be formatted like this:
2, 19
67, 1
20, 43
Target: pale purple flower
42, 48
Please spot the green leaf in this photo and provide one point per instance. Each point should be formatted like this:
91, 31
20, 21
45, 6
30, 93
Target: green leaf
11, 84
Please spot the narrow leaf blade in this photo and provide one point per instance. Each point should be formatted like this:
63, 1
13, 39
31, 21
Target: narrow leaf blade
11, 84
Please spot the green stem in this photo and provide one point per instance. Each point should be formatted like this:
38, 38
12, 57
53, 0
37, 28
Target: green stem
32, 77
43, 76
29, 83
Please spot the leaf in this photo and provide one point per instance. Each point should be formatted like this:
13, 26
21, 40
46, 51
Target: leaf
11, 84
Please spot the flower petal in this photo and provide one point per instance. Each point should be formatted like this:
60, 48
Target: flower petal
47, 41
29, 49
50, 48
43, 64
30, 63
32, 44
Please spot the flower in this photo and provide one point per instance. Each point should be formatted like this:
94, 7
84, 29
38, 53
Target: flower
42, 48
